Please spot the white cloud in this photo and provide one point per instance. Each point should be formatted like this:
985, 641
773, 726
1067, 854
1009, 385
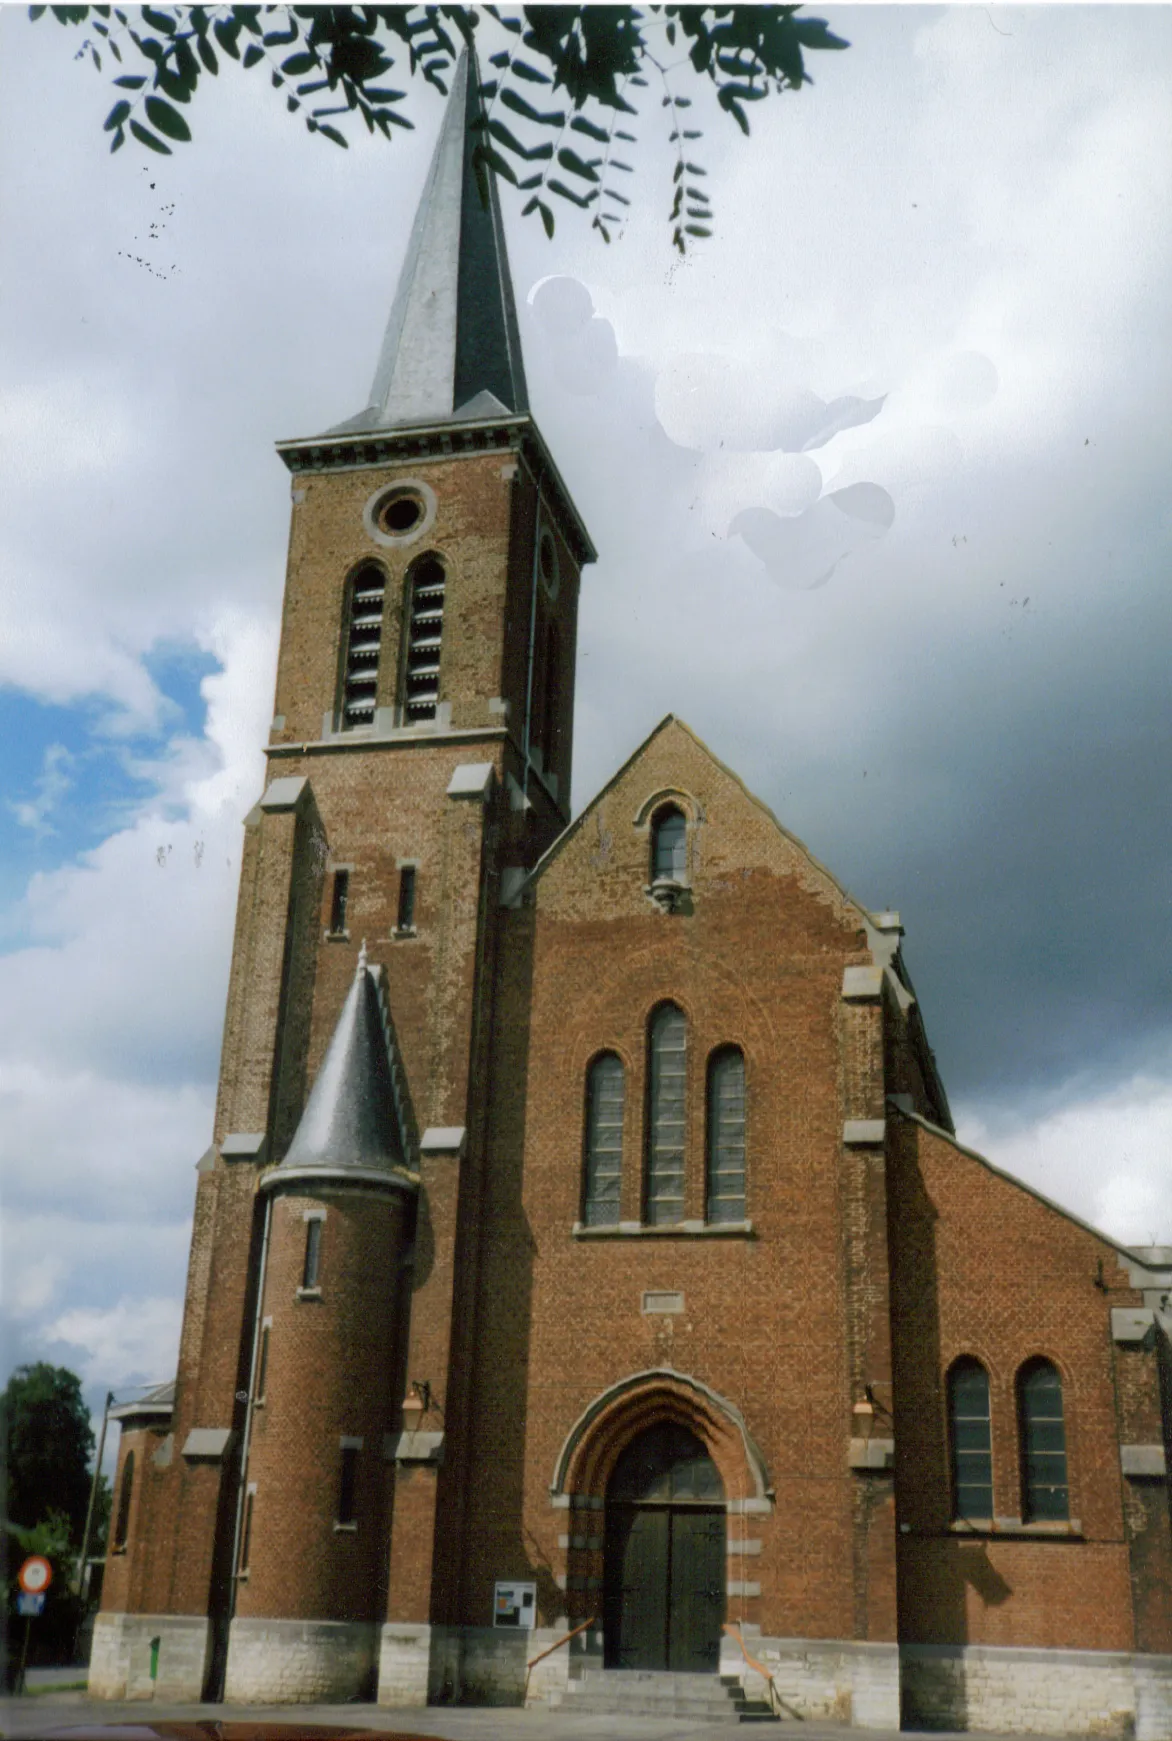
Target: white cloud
1104, 1156
134, 1341
53, 782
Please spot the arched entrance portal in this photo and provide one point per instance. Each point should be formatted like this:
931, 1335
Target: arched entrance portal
665, 1555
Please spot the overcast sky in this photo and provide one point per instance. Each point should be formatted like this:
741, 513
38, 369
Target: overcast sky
879, 479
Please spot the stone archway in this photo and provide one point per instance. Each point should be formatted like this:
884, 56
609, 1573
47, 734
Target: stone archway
619, 1413
670, 1540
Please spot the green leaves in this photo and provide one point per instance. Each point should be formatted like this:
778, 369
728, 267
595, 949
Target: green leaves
331, 65
147, 138
167, 119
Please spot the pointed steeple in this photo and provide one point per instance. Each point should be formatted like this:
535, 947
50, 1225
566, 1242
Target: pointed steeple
349, 1127
452, 350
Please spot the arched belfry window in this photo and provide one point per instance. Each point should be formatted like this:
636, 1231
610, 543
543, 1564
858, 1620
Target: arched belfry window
425, 627
725, 1192
667, 1086
970, 1440
603, 1160
1045, 1493
363, 646
125, 1491
669, 845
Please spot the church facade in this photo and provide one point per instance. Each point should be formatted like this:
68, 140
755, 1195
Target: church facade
584, 1245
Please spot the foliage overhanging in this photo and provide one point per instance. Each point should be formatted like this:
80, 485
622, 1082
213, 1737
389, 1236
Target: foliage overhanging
331, 63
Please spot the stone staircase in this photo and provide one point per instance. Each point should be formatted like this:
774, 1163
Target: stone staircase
647, 1693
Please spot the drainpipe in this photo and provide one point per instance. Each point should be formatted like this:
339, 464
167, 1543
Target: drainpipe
247, 1436
89, 1514
532, 638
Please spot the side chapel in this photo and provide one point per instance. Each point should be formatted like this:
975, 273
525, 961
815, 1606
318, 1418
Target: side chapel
584, 1244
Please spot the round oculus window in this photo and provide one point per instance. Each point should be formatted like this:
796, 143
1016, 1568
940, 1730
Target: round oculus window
547, 563
401, 514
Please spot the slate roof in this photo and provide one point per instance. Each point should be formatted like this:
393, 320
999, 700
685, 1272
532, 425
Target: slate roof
349, 1128
452, 350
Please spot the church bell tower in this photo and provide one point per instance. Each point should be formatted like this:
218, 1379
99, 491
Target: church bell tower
301, 1486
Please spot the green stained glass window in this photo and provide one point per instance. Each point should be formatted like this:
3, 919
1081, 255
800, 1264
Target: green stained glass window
605, 1094
1045, 1493
971, 1440
666, 1114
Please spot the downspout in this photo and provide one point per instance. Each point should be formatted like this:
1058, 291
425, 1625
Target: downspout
532, 642
248, 1407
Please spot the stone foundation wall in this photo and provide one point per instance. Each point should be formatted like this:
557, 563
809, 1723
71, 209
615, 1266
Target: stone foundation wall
1036, 1692
1153, 1698
469, 1665
836, 1680
124, 1647
298, 1662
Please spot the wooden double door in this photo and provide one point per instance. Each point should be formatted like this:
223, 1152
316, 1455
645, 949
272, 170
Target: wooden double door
663, 1600
665, 1563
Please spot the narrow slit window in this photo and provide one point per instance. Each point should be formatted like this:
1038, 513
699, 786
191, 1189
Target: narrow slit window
551, 697
125, 1491
726, 1136
262, 1366
338, 903
1045, 1491
246, 1534
970, 1440
406, 919
667, 1110
669, 845
311, 1274
602, 1183
425, 628
348, 1485
363, 646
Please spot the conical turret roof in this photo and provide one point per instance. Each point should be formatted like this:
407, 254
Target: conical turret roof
349, 1128
452, 350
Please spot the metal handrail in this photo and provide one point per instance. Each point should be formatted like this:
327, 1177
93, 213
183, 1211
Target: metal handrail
759, 1668
549, 1650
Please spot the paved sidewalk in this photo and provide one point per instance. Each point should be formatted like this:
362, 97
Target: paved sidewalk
52, 1713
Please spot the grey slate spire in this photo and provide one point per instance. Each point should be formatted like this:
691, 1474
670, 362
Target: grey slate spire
452, 350
349, 1127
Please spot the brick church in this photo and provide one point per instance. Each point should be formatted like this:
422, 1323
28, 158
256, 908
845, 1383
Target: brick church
584, 1245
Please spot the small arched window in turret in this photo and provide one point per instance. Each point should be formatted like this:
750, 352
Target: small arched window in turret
125, 1491
363, 645
425, 627
669, 845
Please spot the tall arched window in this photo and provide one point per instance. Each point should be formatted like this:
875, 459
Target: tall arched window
125, 1490
1045, 1495
667, 1081
725, 1194
603, 1160
669, 844
970, 1440
425, 627
363, 646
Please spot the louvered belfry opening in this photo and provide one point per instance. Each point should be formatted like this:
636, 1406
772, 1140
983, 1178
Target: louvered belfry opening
425, 628
363, 646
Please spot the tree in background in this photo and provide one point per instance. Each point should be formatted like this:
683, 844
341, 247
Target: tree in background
610, 62
48, 1447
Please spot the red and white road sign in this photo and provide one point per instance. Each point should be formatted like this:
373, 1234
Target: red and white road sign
35, 1575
